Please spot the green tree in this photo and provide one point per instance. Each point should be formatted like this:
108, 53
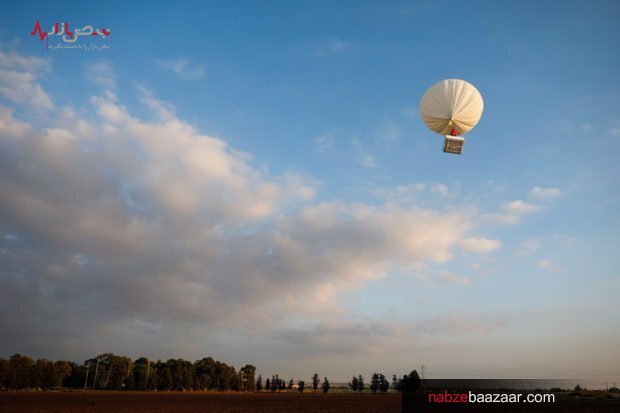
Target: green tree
19, 376
51, 377
128, 382
247, 373
412, 382
326, 385
360, 383
315, 382
409, 383
354, 384
300, 386
206, 372
37, 373
212, 374
142, 369
5, 366
110, 370
63, 370
77, 376
274, 384
259, 383
165, 380
384, 385
374, 383
182, 374
153, 376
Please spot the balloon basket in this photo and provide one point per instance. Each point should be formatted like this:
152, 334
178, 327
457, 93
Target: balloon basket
453, 144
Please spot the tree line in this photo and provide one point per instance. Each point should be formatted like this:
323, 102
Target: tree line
113, 372
276, 384
378, 383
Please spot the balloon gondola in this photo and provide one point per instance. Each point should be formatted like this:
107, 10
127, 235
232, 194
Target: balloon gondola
452, 107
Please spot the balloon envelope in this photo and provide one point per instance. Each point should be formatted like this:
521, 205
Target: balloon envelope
451, 104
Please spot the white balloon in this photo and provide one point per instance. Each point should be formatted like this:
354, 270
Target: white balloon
451, 106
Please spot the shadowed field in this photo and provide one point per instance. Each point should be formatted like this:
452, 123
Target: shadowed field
151, 402
215, 402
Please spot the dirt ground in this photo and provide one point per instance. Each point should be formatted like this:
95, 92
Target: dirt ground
214, 402
189, 402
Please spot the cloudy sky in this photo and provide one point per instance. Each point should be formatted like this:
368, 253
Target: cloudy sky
253, 182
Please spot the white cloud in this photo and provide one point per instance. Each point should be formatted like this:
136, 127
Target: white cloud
331, 47
101, 73
134, 228
456, 324
363, 157
480, 244
495, 186
519, 207
324, 142
546, 265
366, 160
343, 337
511, 212
18, 80
528, 247
614, 131
452, 278
440, 189
301, 186
27, 63
183, 229
197, 245
162, 109
544, 193
183, 68
9, 126
340, 337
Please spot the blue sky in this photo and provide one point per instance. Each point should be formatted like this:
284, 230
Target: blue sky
227, 129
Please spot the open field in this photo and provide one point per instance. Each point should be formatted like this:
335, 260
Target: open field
194, 402
215, 402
